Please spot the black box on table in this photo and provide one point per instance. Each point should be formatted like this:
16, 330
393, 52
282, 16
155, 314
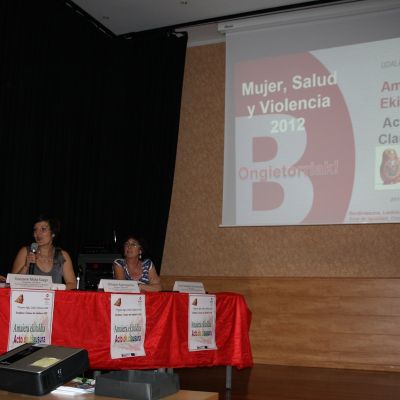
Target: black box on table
39, 369
137, 385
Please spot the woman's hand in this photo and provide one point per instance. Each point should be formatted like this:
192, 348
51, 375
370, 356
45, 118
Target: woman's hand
31, 258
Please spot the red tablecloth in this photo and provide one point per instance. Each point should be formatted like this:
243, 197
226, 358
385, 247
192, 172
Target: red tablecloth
82, 320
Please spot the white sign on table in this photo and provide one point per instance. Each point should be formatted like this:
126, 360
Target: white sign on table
119, 286
128, 325
188, 287
31, 317
202, 317
22, 281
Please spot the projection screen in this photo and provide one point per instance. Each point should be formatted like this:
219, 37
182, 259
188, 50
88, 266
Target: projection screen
312, 117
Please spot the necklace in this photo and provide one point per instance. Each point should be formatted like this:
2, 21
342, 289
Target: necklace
46, 258
135, 271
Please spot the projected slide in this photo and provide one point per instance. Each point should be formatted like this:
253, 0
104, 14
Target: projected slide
317, 136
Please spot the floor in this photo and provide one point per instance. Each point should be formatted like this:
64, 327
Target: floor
264, 382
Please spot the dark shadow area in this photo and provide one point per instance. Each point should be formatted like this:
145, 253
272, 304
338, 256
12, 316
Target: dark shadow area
89, 126
276, 382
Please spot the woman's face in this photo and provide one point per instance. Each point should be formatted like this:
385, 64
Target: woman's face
132, 248
42, 233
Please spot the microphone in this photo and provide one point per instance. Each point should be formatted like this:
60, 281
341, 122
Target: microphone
78, 278
32, 249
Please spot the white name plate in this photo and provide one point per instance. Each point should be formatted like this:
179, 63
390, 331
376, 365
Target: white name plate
58, 286
119, 286
18, 281
188, 287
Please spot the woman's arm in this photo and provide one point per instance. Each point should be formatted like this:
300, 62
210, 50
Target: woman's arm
22, 261
118, 271
155, 282
68, 272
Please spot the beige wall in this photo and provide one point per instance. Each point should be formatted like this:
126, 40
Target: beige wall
325, 296
319, 322
196, 245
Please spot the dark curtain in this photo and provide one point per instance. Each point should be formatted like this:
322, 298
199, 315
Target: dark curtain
88, 128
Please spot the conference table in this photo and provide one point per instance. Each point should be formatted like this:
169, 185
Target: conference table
81, 319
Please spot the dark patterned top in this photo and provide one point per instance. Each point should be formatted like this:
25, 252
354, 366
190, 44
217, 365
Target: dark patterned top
147, 265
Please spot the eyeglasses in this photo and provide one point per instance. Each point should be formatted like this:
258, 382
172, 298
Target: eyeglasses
40, 229
131, 244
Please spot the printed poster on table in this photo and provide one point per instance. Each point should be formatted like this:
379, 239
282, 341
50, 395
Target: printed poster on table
128, 325
202, 312
31, 317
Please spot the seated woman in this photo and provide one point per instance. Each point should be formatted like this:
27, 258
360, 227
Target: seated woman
134, 267
47, 259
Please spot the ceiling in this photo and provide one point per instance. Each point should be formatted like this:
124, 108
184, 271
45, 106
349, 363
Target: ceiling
198, 17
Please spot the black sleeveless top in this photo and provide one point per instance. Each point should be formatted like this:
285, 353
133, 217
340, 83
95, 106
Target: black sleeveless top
56, 272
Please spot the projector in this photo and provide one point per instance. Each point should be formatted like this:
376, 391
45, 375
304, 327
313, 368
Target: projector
38, 369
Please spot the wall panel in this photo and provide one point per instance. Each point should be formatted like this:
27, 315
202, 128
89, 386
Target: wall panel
319, 322
320, 295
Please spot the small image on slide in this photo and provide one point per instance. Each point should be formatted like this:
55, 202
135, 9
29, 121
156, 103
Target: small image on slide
387, 167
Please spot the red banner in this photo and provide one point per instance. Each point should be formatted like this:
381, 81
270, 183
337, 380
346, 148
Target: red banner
82, 320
